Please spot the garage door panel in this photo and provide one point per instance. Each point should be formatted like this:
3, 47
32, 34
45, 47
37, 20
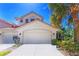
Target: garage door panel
37, 37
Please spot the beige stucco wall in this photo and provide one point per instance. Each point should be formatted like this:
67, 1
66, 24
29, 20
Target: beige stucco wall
7, 34
34, 26
32, 15
30, 28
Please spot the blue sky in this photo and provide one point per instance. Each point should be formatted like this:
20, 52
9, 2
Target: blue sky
8, 11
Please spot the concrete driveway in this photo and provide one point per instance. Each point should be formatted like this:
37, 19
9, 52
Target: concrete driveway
36, 50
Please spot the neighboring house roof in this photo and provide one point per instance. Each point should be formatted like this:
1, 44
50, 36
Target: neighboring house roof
4, 24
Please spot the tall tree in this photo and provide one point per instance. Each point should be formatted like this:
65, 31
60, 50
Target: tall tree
74, 10
60, 10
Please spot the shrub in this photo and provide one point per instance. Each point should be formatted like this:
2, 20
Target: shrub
77, 47
59, 43
68, 45
54, 41
3, 53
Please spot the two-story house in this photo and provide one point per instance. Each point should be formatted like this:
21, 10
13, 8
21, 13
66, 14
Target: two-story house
31, 30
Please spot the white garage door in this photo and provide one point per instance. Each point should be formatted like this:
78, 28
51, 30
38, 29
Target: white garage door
37, 37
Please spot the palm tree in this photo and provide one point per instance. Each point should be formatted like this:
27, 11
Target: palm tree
60, 10
74, 10
55, 22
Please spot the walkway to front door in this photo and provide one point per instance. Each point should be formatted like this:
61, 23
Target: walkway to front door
36, 50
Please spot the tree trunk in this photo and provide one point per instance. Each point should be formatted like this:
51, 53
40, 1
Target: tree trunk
76, 30
74, 13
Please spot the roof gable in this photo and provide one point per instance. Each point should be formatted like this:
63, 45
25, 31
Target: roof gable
34, 13
35, 25
29, 15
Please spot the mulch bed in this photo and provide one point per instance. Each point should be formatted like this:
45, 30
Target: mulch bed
63, 52
68, 53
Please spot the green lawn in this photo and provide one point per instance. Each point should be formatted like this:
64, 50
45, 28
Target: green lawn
3, 53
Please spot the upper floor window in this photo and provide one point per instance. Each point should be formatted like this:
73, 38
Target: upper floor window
21, 21
26, 20
32, 19
37, 18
